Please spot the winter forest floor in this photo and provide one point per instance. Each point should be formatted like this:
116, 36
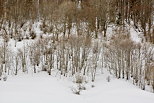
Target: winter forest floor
42, 88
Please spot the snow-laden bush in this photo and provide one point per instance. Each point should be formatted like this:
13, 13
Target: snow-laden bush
5, 78
76, 91
108, 78
79, 81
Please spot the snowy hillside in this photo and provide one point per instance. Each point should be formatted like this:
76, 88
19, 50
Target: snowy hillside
76, 51
42, 88
38, 87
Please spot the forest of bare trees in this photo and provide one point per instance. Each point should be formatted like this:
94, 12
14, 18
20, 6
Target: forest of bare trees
96, 14
74, 38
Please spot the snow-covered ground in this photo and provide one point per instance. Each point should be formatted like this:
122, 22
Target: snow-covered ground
42, 88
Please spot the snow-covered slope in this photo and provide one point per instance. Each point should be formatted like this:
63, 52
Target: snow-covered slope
42, 88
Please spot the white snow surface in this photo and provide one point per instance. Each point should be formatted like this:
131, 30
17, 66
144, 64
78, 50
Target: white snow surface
42, 88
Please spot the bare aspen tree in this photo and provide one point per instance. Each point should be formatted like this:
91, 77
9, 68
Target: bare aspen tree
23, 57
1, 62
95, 59
35, 56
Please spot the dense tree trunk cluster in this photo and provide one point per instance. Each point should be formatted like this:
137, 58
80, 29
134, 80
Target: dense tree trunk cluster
96, 14
129, 60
